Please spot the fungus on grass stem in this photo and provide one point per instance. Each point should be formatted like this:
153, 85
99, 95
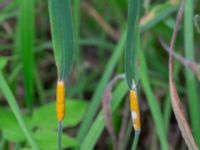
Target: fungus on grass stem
135, 114
63, 45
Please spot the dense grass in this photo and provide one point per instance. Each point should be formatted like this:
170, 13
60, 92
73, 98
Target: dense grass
28, 73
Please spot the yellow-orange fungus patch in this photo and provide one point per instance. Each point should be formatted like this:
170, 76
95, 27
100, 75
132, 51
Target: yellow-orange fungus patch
60, 100
135, 110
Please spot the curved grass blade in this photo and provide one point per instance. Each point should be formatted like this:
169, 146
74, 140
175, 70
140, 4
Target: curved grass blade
62, 35
176, 103
12, 103
131, 51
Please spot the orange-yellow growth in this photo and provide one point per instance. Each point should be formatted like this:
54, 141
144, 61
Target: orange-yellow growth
60, 100
135, 110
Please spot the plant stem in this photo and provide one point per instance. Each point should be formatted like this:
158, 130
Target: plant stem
135, 140
60, 135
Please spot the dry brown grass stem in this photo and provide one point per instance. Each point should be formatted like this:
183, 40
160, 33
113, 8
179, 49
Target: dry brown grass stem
176, 104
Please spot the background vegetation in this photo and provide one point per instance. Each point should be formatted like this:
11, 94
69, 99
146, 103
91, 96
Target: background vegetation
28, 75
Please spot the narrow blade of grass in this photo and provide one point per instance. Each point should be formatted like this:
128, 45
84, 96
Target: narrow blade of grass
96, 99
97, 127
26, 36
153, 104
15, 108
190, 79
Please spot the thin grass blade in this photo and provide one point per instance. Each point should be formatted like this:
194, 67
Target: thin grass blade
153, 104
15, 108
190, 79
26, 45
96, 99
97, 127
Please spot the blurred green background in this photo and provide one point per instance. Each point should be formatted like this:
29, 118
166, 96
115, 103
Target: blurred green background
28, 74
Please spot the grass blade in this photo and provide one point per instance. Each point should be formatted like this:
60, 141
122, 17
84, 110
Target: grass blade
26, 36
131, 50
97, 127
12, 102
96, 99
62, 36
176, 103
157, 14
153, 103
63, 44
100, 89
190, 79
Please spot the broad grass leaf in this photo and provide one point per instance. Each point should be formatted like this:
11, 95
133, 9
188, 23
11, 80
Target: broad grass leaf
45, 116
9, 126
62, 35
131, 53
47, 140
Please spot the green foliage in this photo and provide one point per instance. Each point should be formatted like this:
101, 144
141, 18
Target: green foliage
3, 62
98, 125
43, 125
96, 99
131, 54
15, 108
193, 100
62, 36
98, 58
47, 139
26, 29
75, 109
153, 104
157, 14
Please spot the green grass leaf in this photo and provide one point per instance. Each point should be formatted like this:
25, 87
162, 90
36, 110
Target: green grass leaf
157, 14
98, 125
193, 99
62, 35
11, 130
96, 98
26, 37
13, 104
153, 104
131, 49
3, 62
